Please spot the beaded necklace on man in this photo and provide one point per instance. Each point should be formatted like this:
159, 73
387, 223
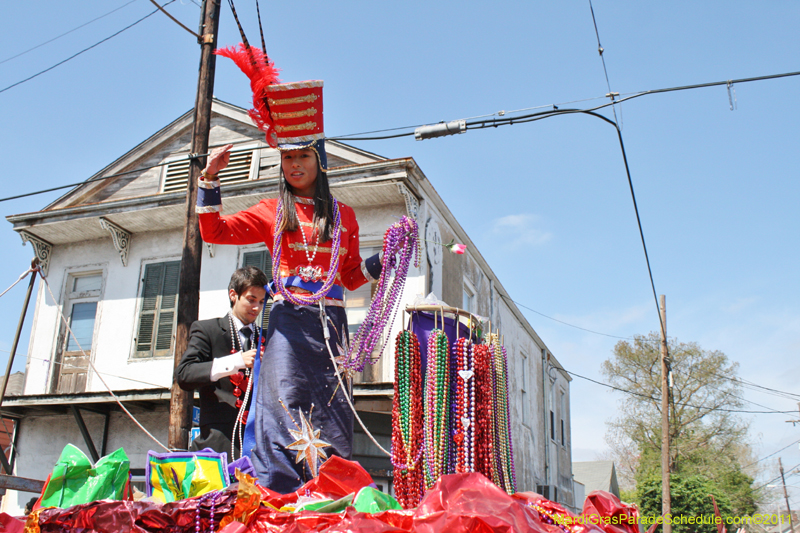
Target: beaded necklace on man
242, 384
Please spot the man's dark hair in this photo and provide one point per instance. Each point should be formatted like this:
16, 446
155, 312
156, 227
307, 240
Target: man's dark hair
246, 277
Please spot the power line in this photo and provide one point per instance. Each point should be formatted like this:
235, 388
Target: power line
730, 393
473, 125
600, 51
709, 409
565, 323
82, 51
776, 478
774, 453
66, 33
176, 21
140, 169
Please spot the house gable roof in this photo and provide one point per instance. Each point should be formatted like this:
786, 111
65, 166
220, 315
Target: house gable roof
597, 475
140, 172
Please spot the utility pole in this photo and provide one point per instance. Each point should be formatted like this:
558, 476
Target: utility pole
785, 495
180, 409
666, 500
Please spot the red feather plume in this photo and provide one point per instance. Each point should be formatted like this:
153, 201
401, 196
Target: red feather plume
262, 73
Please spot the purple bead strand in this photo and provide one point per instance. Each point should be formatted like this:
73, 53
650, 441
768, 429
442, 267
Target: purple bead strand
400, 243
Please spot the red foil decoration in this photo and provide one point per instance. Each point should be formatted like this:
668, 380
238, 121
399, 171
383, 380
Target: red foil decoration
456, 503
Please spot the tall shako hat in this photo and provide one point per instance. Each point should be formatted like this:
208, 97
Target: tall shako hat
296, 113
290, 114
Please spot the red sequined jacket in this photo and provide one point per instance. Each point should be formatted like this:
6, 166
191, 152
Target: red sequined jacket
257, 224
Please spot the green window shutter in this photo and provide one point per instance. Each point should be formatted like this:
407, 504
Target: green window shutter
262, 261
153, 279
159, 309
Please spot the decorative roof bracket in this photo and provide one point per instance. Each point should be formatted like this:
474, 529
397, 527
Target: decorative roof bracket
412, 203
42, 248
121, 238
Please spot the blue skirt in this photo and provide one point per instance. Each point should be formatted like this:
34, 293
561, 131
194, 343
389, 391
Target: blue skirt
297, 369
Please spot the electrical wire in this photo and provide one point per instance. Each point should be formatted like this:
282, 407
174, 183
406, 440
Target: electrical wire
68, 365
600, 51
82, 51
772, 454
731, 394
776, 478
562, 322
140, 169
476, 124
66, 33
709, 409
173, 19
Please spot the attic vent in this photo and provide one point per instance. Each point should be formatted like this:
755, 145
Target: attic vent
238, 170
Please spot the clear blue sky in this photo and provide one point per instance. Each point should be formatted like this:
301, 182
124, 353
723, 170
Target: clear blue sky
547, 203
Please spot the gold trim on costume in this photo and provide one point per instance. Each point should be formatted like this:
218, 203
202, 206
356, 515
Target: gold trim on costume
295, 100
324, 249
293, 85
311, 111
296, 127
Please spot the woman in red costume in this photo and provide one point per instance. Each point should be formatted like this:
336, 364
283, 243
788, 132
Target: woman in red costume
315, 240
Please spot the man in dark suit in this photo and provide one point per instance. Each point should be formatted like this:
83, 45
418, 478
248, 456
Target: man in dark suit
219, 351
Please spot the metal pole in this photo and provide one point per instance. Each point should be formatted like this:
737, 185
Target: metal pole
666, 500
180, 409
34, 270
786, 495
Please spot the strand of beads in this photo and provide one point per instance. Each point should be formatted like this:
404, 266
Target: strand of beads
484, 410
437, 405
504, 457
306, 299
464, 402
497, 477
549, 517
197, 521
400, 244
512, 471
407, 420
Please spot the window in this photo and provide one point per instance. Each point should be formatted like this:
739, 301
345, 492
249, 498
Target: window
552, 425
74, 350
468, 300
562, 415
157, 316
261, 259
524, 389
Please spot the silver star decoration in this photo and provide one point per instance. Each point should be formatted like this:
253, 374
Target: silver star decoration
308, 444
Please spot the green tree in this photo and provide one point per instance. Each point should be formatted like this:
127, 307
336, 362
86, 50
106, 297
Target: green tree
706, 438
690, 498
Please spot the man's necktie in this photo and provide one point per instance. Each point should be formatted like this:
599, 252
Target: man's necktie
248, 333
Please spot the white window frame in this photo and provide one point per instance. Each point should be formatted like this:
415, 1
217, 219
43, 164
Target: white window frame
70, 298
468, 292
132, 358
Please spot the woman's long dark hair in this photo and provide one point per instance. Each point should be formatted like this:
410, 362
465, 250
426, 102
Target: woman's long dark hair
323, 205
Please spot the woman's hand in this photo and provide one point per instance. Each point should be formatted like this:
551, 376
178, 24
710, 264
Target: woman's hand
218, 160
